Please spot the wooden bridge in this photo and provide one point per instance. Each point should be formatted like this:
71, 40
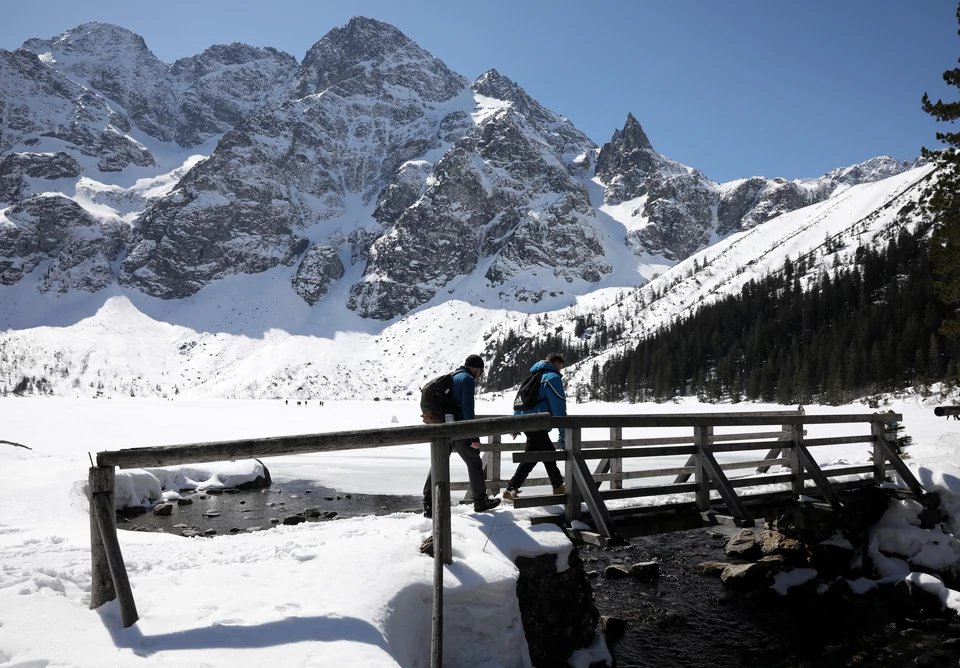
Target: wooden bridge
716, 496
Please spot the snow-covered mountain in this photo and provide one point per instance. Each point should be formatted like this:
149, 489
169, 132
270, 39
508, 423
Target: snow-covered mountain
251, 225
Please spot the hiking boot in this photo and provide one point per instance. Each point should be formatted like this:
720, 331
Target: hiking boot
511, 494
485, 504
562, 489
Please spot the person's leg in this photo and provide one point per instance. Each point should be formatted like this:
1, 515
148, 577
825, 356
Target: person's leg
523, 470
540, 442
471, 457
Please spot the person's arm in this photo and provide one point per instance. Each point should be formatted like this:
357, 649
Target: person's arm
556, 399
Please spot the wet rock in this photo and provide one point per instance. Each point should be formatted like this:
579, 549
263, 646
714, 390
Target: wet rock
210, 532
189, 533
645, 571
163, 509
211, 513
743, 545
231, 490
181, 526
615, 572
294, 520
254, 529
745, 577
775, 543
274, 520
184, 502
214, 491
312, 512
329, 515
952, 644
709, 567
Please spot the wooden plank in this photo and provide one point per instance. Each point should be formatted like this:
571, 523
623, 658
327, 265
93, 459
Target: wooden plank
329, 442
107, 522
595, 504
715, 420
651, 490
727, 493
679, 440
741, 446
100, 481
905, 473
837, 440
574, 498
590, 537
823, 484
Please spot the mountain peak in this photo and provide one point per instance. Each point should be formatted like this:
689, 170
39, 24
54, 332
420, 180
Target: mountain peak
633, 135
365, 54
89, 38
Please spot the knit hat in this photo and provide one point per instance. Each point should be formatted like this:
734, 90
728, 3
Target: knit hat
474, 361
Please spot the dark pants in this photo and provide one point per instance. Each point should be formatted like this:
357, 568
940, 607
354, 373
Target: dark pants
470, 457
537, 441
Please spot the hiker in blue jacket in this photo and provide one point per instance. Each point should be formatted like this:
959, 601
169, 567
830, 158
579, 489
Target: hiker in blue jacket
553, 401
462, 393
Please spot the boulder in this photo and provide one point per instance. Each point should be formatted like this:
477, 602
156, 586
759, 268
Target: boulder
743, 545
746, 577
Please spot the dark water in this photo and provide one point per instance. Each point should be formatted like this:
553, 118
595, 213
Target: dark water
257, 510
682, 620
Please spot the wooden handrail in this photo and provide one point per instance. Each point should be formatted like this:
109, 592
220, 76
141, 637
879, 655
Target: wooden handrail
218, 451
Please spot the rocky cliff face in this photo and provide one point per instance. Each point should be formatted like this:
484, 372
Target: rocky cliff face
370, 153
678, 211
53, 228
289, 168
505, 192
38, 105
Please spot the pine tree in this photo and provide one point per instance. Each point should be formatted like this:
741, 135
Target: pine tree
944, 202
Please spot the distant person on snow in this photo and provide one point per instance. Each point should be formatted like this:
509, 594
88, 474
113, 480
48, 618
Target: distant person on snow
553, 401
464, 387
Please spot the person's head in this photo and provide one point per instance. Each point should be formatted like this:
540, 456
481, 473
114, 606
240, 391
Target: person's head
556, 360
475, 364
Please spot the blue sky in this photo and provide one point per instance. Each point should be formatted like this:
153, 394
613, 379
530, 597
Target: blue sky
734, 89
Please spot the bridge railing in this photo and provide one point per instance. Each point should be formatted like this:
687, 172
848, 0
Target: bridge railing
703, 476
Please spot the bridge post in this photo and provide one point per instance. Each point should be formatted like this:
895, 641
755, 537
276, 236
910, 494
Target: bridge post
493, 470
107, 549
701, 439
616, 463
574, 497
100, 481
879, 457
442, 539
796, 467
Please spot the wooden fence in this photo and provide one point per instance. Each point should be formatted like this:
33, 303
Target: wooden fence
715, 496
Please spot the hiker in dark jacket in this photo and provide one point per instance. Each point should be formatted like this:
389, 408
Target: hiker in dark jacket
553, 401
462, 394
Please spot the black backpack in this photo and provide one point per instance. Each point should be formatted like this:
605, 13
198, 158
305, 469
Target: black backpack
436, 399
528, 396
